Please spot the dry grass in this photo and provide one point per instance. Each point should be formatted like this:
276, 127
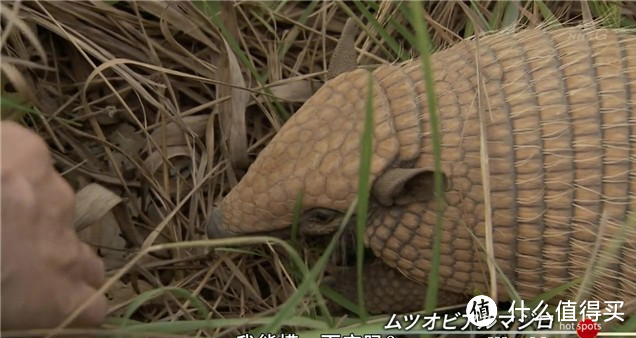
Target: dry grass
166, 104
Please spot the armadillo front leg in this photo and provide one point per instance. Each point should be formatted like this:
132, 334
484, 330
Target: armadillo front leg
402, 237
387, 290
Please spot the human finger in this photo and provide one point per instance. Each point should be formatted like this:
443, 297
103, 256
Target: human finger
95, 312
90, 267
18, 203
24, 152
57, 200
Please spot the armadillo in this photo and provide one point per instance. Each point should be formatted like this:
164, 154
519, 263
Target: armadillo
556, 111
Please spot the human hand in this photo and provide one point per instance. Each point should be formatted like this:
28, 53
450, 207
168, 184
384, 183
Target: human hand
47, 272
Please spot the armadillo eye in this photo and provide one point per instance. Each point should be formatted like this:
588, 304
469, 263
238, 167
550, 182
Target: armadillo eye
319, 221
320, 215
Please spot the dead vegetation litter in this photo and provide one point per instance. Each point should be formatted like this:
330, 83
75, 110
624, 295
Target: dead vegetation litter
153, 110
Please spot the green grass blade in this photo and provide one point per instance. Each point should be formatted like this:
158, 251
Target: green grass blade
406, 34
403, 31
340, 300
287, 309
282, 50
628, 326
192, 325
609, 12
370, 329
479, 14
213, 9
511, 14
154, 293
424, 48
395, 50
7, 103
556, 291
549, 17
366, 151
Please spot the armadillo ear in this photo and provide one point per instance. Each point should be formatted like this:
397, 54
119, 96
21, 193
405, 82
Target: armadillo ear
400, 186
344, 57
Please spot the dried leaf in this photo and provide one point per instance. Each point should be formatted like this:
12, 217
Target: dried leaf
92, 203
233, 111
106, 236
296, 91
155, 160
121, 293
174, 135
129, 142
93, 207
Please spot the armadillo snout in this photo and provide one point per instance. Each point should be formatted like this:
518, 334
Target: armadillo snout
214, 226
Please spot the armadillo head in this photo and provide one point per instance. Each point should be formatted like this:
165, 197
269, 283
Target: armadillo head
317, 152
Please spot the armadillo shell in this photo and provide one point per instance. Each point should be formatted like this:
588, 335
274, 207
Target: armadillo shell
556, 113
